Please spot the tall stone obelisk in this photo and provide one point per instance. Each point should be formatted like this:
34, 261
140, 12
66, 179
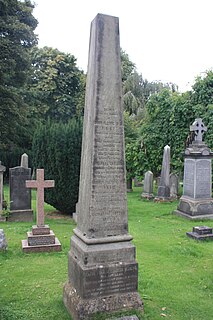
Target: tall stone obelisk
102, 270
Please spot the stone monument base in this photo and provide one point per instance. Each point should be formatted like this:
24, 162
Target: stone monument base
21, 216
201, 233
162, 199
101, 277
195, 209
41, 239
2, 218
147, 196
82, 309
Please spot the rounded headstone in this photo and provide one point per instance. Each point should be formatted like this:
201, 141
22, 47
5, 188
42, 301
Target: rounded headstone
3, 242
24, 160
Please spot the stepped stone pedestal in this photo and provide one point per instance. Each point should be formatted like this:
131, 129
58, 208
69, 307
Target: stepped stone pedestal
102, 270
196, 202
41, 238
201, 233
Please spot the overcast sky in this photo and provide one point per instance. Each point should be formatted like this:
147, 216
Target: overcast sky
168, 40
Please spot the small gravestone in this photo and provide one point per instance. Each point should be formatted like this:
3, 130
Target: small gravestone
102, 270
196, 201
201, 233
129, 185
20, 196
24, 160
174, 185
148, 186
137, 183
2, 170
163, 193
3, 242
41, 238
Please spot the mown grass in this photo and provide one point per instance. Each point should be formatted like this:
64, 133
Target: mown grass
175, 272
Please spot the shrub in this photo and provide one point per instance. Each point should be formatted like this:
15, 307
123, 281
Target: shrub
57, 148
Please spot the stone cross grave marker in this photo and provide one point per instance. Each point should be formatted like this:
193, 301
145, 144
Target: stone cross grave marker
199, 128
40, 184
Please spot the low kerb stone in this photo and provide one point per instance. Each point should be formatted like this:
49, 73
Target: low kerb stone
20, 215
201, 233
41, 248
125, 318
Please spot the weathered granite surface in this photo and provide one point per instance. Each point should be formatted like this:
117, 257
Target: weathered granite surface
2, 170
20, 196
24, 160
201, 233
3, 241
102, 270
148, 186
163, 187
174, 185
196, 201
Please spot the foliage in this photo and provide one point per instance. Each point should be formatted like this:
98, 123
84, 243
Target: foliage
56, 86
167, 120
127, 66
17, 26
57, 149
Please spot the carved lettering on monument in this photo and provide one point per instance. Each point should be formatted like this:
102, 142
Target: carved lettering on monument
189, 175
203, 178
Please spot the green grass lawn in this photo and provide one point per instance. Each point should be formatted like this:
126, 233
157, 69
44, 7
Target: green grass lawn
175, 272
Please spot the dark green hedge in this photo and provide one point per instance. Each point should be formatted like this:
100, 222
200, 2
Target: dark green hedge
57, 148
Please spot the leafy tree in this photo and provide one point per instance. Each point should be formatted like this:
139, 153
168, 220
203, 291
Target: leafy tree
127, 66
168, 117
57, 149
56, 86
17, 26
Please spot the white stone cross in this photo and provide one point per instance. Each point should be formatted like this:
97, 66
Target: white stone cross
199, 128
40, 184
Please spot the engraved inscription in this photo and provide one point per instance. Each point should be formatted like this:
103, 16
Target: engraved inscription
112, 279
189, 175
203, 178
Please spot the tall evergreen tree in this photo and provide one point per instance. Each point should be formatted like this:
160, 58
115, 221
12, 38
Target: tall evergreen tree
17, 37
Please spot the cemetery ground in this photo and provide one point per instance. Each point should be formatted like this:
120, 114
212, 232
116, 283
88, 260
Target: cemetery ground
175, 272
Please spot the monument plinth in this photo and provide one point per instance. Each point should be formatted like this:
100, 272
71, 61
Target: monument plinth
201, 233
102, 270
196, 201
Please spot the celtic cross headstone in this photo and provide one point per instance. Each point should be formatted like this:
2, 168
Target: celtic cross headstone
198, 128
